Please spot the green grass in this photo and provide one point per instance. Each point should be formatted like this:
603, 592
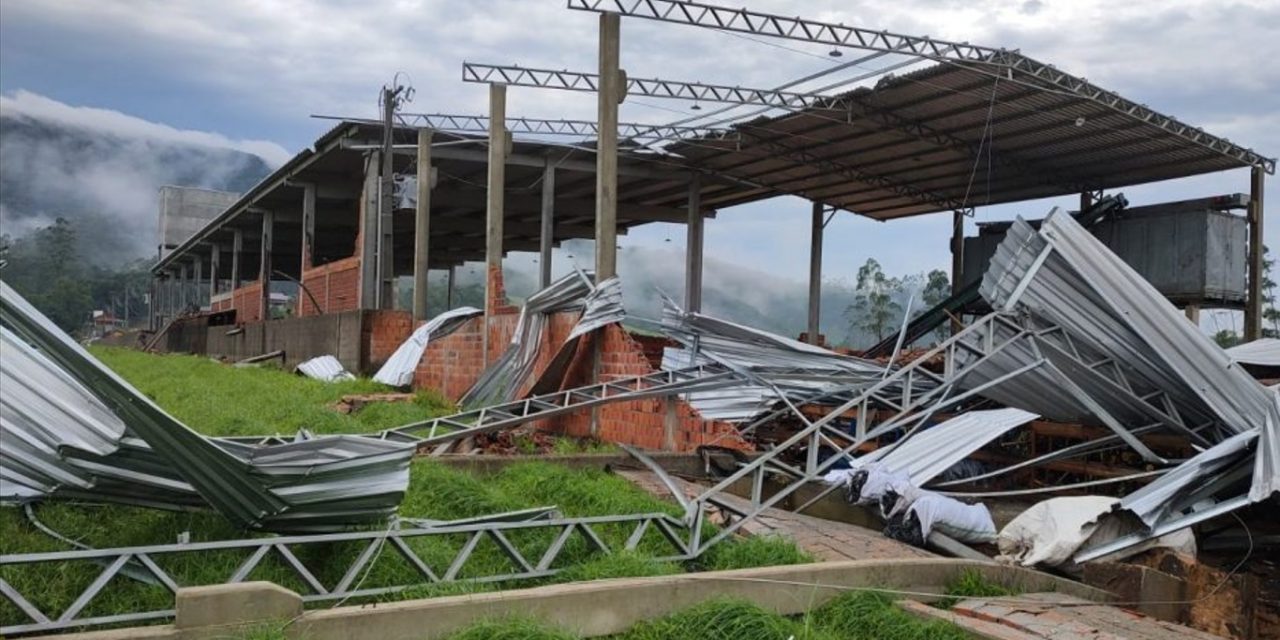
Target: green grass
855, 615
971, 584
217, 399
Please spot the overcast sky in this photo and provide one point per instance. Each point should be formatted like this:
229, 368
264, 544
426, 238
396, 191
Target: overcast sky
251, 72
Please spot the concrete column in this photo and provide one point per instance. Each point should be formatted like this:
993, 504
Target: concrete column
422, 228
1086, 201
198, 295
957, 249
693, 246
815, 273
308, 228
369, 233
237, 248
448, 288
386, 207
609, 96
495, 203
1193, 313
215, 260
264, 264
1253, 304
183, 289
547, 237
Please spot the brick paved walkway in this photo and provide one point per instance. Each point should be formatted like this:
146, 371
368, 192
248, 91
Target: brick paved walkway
826, 540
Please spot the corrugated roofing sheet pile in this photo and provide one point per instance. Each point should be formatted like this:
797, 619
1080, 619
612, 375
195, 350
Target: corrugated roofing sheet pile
88, 433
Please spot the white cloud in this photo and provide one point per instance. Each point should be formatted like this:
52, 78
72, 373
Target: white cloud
31, 105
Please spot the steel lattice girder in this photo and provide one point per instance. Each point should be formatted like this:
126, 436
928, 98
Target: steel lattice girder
899, 391
651, 87
507, 415
1003, 61
557, 534
543, 126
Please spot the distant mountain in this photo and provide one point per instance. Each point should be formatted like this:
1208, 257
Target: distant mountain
103, 182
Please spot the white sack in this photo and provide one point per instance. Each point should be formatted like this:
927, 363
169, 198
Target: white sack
964, 522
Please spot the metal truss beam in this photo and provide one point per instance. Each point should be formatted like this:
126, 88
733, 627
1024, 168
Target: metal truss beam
447, 429
532, 548
766, 24
650, 87
541, 126
911, 395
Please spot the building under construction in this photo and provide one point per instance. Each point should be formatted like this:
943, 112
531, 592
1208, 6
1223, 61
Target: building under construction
1067, 363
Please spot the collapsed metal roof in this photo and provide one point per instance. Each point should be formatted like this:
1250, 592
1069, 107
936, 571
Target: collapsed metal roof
89, 434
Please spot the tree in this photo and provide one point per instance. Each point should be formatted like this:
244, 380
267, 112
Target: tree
1226, 338
937, 288
874, 307
1269, 312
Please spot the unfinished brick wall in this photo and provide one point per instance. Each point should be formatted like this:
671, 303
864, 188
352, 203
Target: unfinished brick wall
336, 287
247, 301
653, 423
384, 331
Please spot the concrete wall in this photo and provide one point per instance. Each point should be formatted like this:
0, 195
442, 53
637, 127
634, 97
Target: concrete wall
361, 340
186, 210
591, 609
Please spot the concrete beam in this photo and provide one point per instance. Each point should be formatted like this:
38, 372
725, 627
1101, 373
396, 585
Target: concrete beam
815, 273
693, 248
546, 233
1253, 303
422, 227
608, 97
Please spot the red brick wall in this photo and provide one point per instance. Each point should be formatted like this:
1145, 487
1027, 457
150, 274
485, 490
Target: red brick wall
384, 331
336, 286
247, 301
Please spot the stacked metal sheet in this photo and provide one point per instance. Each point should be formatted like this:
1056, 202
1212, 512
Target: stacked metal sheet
92, 435
1128, 359
399, 368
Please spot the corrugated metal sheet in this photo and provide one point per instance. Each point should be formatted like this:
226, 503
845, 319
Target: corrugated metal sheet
307, 485
932, 451
1101, 302
399, 368
1263, 352
1040, 150
511, 373
326, 368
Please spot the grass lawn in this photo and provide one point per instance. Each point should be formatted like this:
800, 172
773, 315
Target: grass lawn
220, 400
217, 399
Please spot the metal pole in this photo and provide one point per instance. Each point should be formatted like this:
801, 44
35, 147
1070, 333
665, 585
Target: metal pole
422, 228
693, 247
609, 96
1253, 306
815, 274
264, 265
547, 237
